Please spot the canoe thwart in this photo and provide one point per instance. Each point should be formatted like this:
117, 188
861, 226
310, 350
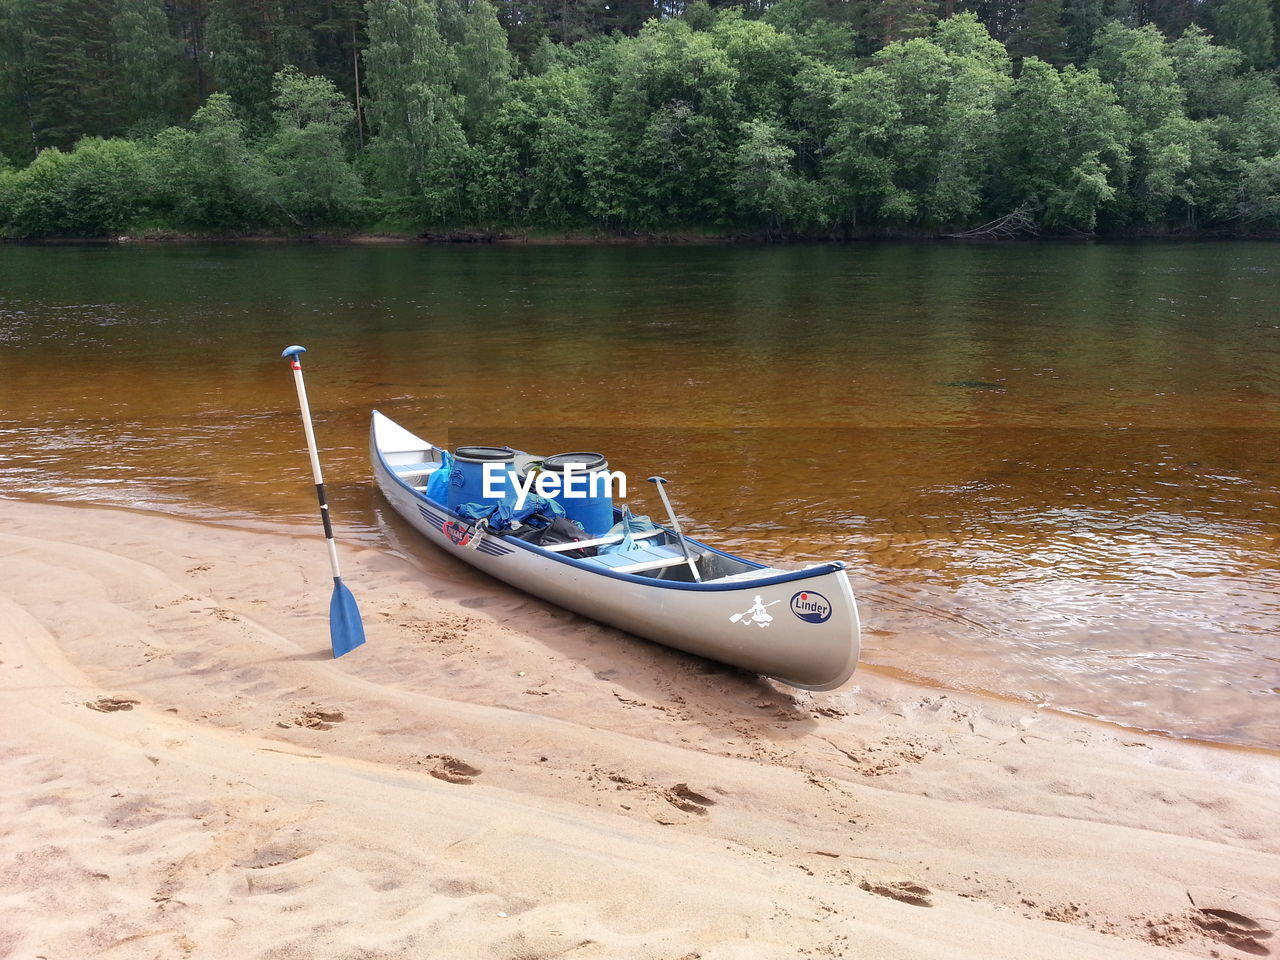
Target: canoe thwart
598, 541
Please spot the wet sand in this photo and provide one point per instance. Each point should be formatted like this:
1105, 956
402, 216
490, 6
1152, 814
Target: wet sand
187, 774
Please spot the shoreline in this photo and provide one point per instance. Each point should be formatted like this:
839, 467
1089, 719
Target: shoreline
302, 528
189, 772
672, 238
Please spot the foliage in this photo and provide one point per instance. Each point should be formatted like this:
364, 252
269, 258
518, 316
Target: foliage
1064, 139
1247, 26
784, 117
98, 189
916, 136
419, 146
145, 62
308, 174
212, 180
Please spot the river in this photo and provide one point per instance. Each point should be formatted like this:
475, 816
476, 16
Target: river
1053, 469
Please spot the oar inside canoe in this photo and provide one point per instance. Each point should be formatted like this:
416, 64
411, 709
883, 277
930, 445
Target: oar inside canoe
797, 626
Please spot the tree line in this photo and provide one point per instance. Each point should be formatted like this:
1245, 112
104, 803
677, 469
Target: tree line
793, 117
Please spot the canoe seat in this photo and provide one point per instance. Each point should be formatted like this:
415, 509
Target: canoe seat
638, 560
430, 466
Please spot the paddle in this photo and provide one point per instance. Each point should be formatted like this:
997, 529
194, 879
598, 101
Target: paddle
346, 631
661, 483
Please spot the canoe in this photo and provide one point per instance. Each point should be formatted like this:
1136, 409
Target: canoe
799, 627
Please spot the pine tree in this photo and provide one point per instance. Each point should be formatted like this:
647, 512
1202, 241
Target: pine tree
1038, 32
146, 62
1081, 19
901, 19
1275, 29
15, 95
1246, 25
64, 69
190, 19
242, 63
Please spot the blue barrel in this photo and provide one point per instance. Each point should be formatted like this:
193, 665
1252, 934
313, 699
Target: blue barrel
593, 509
466, 480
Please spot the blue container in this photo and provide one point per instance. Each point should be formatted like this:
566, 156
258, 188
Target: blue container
594, 511
466, 479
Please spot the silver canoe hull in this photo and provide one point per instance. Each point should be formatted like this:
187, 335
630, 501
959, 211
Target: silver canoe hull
798, 627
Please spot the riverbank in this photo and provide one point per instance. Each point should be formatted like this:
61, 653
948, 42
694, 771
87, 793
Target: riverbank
619, 239
188, 772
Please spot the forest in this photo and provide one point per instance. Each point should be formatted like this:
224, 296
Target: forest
783, 119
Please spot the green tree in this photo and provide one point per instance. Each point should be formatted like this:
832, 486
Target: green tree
1247, 25
484, 64
1209, 74
917, 136
1258, 202
765, 60
1064, 140
308, 175
765, 184
821, 30
862, 165
1081, 20
1183, 174
1038, 31
1257, 132
1139, 66
58, 66
146, 62
1173, 155
419, 145
892, 20
241, 62
99, 189
663, 154
213, 178
16, 133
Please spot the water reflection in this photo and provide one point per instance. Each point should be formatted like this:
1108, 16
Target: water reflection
1053, 470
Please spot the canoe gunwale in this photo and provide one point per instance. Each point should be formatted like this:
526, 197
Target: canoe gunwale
705, 619
711, 586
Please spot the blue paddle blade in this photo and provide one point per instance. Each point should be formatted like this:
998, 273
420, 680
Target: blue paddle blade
346, 630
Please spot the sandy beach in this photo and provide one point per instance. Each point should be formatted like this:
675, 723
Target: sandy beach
186, 773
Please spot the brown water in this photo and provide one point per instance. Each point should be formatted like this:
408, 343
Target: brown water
1053, 470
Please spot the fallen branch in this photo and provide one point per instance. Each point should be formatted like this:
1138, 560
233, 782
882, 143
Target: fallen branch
1019, 224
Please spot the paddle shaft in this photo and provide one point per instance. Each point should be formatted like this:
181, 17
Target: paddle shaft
675, 525
315, 465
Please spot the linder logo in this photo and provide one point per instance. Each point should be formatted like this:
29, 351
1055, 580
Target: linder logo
811, 607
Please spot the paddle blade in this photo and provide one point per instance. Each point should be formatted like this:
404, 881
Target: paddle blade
346, 630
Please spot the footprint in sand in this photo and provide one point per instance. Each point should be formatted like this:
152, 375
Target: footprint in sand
315, 719
452, 770
903, 891
1234, 929
111, 704
690, 801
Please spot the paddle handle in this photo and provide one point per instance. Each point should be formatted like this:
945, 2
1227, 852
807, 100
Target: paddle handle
295, 364
661, 484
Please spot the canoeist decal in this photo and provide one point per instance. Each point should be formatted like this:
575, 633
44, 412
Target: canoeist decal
756, 614
622, 569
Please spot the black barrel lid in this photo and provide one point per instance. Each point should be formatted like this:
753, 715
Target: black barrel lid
484, 454
588, 461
